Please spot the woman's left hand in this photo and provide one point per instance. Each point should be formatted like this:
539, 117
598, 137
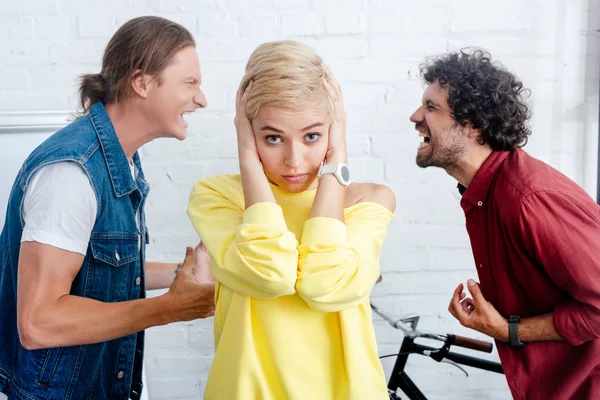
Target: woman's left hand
337, 148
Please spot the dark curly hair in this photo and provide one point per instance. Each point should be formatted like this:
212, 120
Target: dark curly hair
483, 94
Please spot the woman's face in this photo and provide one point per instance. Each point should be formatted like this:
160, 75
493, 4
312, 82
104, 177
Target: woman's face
292, 145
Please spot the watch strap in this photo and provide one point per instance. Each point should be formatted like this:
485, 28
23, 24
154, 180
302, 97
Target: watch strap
328, 169
513, 332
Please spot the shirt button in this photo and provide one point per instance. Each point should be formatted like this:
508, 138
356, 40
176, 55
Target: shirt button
480, 266
480, 203
120, 375
138, 280
117, 257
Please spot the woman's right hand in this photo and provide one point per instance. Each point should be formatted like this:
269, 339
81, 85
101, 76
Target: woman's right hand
245, 135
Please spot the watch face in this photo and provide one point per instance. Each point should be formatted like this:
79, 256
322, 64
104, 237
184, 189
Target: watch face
345, 173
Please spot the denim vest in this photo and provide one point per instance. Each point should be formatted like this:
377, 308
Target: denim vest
112, 271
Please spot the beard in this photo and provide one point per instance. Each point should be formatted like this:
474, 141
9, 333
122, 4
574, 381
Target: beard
444, 150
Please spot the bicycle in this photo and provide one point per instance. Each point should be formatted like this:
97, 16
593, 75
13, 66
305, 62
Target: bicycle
399, 379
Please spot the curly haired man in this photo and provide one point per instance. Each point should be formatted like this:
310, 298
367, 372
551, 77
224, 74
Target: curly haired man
535, 234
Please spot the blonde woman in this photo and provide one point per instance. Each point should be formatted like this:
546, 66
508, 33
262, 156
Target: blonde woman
295, 252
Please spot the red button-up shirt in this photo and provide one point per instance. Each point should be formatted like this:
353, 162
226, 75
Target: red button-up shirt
535, 237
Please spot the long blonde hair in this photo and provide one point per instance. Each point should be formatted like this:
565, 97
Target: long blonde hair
286, 74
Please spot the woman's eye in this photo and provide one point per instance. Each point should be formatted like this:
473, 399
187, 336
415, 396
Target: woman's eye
272, 139
313, 137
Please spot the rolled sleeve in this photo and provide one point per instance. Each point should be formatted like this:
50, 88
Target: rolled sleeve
572, 322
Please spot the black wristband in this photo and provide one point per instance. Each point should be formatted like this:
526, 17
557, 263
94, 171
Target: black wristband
513, 332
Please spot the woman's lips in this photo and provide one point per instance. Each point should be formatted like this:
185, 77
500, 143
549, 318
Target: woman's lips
297, 178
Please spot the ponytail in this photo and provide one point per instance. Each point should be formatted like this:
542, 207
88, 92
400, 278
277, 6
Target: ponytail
92, 89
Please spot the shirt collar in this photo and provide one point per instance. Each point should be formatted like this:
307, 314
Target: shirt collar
479, 187
116, 161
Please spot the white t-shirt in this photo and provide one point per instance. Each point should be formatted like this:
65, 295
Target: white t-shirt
59, 207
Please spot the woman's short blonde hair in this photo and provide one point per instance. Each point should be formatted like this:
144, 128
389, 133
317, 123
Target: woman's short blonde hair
286, 74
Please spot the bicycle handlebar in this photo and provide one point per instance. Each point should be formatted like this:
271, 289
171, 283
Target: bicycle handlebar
456, 340
473, 344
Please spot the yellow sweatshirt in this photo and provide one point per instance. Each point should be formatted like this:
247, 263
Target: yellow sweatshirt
292, 319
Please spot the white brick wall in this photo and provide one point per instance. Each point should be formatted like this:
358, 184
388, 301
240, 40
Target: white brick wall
375, 47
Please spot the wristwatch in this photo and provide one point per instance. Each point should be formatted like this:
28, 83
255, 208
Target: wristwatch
513, 332
340, 170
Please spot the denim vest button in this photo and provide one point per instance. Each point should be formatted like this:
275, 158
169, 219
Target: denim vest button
120, 375
117, 257
138, 280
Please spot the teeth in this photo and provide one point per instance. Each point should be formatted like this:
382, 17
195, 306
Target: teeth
422, 137
185, 115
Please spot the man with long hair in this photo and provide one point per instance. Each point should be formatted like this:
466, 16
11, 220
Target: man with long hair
73, 276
